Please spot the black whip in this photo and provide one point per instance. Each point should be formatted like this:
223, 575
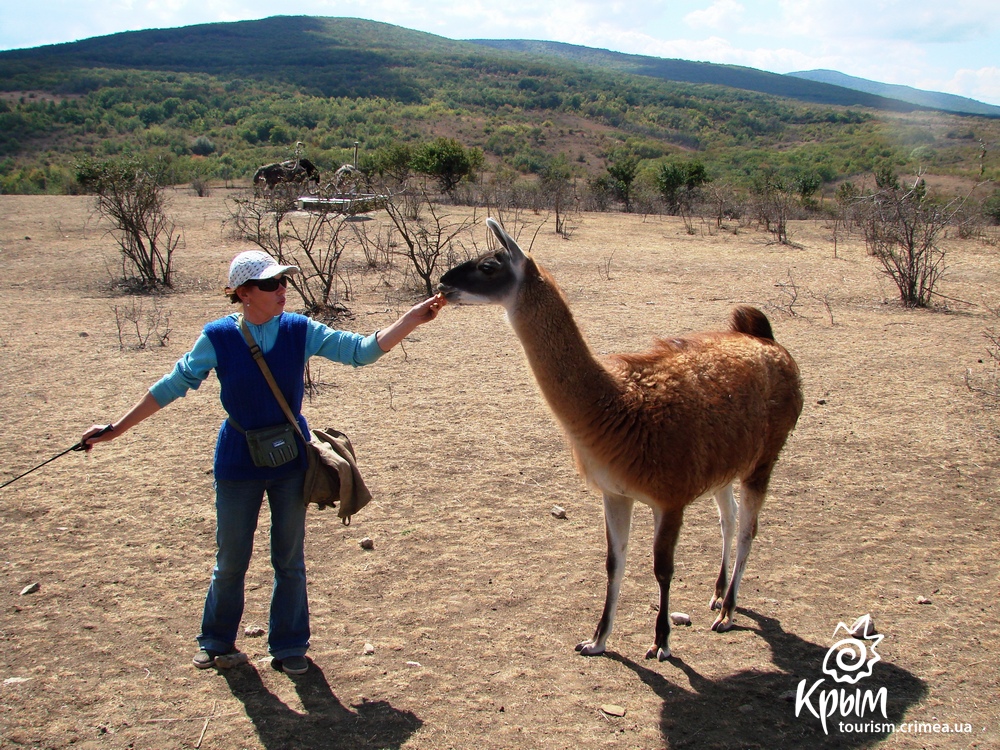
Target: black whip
78, 447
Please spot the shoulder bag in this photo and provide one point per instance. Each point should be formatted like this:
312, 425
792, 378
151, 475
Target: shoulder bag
332, 475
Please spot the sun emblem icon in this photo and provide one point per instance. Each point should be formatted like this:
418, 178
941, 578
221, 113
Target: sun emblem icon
851, 659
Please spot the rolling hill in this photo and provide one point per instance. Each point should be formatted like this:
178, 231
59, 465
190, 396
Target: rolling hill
930, 99
217, 100
353, 57
804, 89
330, 57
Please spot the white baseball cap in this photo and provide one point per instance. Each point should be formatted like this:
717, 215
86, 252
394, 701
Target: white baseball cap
253, 265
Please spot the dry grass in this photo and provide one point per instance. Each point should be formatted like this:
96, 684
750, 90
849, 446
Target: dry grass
474, 595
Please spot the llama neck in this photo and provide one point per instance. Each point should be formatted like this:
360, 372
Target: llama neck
575, 385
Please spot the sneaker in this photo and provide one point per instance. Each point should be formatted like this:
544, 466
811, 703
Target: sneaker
293, 665
207, 658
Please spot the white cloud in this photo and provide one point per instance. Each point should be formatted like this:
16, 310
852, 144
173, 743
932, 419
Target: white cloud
716, 49
531, 19
982, 84
925, 21
720, 14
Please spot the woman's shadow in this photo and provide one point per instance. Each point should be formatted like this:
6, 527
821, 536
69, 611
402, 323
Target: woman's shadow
327, 724
757, 709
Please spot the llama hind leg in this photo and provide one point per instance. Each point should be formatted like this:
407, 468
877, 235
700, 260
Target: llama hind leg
668, 529
617, 523
727, 521
752, 493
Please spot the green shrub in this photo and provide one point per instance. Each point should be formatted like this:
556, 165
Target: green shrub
202, 146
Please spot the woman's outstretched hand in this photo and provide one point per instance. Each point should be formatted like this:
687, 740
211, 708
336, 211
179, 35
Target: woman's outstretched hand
422, 312
97, 433
427, 310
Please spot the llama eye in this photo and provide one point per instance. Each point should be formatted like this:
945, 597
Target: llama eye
490, 266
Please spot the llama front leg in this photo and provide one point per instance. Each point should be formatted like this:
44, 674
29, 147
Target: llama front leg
751, 500
668, 529
727, 520
617, 523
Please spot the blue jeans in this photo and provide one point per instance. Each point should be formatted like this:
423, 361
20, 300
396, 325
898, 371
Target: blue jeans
237, 507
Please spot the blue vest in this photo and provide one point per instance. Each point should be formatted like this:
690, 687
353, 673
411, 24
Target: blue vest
248, 398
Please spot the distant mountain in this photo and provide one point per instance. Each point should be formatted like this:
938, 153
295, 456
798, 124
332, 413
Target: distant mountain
932, 99
354, 57
331, 56
686, 71
249, 90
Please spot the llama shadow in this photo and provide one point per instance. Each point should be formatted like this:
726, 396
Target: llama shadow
754, 709
327, 724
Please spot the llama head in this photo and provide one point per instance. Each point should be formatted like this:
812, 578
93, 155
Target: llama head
491, 279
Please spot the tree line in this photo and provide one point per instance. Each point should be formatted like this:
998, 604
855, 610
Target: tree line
204, 127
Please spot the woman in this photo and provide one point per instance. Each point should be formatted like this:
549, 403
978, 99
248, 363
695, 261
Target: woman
257, 283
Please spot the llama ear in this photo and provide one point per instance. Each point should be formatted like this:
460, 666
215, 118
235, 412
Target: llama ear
509, 243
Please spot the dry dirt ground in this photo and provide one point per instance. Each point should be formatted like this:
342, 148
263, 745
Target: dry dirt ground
884, 502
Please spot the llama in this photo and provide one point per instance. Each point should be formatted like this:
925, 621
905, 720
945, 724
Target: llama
679, 422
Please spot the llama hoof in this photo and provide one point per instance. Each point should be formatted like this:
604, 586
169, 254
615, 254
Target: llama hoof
660, 654
716, 603
589, 648
722, 624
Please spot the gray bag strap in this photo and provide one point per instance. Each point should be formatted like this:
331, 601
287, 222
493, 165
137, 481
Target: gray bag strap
258, 357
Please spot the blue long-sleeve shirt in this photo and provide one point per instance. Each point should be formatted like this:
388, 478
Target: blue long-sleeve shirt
338, 346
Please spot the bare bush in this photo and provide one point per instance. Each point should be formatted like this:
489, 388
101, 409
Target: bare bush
847, 213
428, 237
130, 196
141, 322
969, 221
500, 189
559, 190
727, 204
201, 187
825, 301
377, 242
604, 269
314, 242
790, 297
901, 227
773, 197
987, 381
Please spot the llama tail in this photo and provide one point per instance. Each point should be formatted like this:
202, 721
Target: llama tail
751, 321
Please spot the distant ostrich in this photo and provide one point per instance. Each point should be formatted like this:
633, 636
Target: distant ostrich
665, 427
348, 179
293, 170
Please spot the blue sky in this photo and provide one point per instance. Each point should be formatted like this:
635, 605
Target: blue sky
949, 46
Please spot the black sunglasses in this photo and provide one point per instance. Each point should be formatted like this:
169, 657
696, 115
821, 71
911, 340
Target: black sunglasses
269, 285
